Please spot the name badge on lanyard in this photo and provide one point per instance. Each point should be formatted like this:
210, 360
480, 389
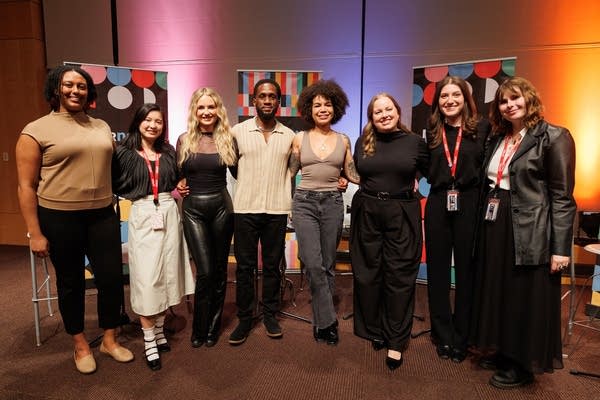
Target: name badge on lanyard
452, 194
491, 211
452, 200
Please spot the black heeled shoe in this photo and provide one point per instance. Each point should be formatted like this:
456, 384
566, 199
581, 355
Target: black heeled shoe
377, 344
211, 340
458, 355
443, 351
197, 341
154, 364
392, 363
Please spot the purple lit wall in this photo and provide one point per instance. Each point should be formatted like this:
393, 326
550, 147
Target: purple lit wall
202, 43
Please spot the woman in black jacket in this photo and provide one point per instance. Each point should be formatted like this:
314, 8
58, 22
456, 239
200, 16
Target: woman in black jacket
526, 236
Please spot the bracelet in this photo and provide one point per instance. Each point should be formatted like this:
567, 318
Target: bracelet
28, 235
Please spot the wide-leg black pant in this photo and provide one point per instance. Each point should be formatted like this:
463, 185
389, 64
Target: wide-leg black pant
448, 233
270, 230
72, 235
208, 228
385, 249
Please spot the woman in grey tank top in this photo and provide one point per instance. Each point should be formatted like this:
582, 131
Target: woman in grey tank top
318, 207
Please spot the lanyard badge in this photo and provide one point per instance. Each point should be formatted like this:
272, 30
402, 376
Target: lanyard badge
452, 194
491, 211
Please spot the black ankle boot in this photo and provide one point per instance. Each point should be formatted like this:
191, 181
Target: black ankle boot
329, 334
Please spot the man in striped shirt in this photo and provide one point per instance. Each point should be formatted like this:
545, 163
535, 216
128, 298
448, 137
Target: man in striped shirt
262, 202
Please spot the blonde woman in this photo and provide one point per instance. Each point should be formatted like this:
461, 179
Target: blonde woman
205, 152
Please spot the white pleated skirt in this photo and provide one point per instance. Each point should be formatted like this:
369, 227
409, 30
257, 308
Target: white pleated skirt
159, 268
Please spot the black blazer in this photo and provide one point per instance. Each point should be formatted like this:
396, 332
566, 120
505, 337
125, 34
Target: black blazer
542, 178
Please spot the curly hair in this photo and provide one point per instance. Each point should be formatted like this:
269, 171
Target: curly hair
328, 89
368, 132
469, 116
133, 140
534, 109
222, 133
54, 80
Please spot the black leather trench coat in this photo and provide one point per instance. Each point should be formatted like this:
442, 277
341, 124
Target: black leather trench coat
542, 178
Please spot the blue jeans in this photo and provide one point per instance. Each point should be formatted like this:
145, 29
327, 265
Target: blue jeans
317, 219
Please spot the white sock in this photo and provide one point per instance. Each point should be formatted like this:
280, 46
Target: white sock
150, 344
159, 331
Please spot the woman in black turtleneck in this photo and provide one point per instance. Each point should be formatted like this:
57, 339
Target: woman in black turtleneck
455, 137
386, 238
205, 152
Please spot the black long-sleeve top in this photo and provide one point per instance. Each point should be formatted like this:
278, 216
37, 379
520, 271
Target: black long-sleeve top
131, 178
205, 173
470, 160
393, 168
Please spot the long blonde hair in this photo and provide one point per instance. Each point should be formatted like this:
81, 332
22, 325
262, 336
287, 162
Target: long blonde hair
369, 129
221, 134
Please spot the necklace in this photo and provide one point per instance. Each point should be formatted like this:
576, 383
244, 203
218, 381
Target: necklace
208, 136
323, 146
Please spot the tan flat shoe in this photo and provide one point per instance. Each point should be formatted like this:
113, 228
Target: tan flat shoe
86, 364
119, 353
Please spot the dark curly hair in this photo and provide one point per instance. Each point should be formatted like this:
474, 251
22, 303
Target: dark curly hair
328, 89
54, 79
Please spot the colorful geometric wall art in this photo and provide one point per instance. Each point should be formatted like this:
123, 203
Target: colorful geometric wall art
483, 77
121, 91
291, 82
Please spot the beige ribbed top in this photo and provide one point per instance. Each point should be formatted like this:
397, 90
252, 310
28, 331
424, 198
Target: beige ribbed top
76, 161
321, 174
263, 179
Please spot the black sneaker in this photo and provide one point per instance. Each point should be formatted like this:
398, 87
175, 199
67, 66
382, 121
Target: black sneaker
240, 333
272, 326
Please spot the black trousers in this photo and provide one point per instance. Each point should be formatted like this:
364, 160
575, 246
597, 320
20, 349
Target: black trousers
72, 235
249, 229
208, 228
385, 249
447, 233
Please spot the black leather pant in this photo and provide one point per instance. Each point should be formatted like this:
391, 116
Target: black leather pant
208, 228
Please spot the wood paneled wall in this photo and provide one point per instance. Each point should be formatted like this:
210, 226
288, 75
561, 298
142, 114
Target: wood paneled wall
22, 74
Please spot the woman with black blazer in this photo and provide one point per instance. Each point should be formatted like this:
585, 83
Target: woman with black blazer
526, 235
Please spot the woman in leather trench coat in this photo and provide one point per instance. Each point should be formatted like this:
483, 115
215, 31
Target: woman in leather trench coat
525, 238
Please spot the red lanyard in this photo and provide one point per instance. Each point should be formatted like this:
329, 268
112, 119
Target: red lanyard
452, 162
153, 174
506, 156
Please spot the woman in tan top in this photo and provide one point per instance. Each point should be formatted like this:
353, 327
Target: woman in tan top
318, 207
64, 168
